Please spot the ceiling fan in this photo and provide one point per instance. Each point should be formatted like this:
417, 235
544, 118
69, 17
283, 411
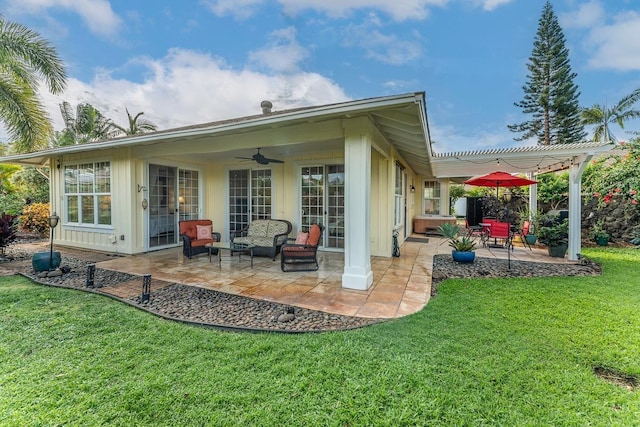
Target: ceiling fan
260, 159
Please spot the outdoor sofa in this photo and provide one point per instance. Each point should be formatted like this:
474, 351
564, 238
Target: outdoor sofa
267, 235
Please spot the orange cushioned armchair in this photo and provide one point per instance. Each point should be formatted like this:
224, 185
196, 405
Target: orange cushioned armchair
302, 250
196, 233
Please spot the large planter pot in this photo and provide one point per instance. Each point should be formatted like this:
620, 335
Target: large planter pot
602, 241
460, 256
40, 261
531, 239
558, 251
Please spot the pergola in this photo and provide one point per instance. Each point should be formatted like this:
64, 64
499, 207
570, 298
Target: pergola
530, 161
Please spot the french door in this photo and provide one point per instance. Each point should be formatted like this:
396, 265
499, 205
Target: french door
322, 201
174, 195
249, 197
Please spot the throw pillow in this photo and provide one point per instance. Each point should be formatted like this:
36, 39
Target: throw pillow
203, 231
314, 235
301, 238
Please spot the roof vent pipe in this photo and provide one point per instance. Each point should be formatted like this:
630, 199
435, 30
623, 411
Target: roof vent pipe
266, 107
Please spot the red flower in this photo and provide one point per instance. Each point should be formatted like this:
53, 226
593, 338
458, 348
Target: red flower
633, 192
634, 202
596, 194
617, 190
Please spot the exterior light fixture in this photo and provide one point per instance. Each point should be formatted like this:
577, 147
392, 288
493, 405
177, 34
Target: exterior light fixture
53, 223
507, 196
413, 189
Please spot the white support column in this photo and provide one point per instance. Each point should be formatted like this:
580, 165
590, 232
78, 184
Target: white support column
575, 208
357, 167
445, 207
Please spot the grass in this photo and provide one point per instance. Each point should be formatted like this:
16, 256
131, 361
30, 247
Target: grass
483, 352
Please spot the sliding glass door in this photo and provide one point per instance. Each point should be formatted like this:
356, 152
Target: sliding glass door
173, 196
249, 197
322, 201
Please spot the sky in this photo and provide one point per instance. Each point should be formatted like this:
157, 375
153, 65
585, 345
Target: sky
195, 61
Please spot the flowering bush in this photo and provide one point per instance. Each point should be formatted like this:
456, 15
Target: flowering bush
615, 176
35, 218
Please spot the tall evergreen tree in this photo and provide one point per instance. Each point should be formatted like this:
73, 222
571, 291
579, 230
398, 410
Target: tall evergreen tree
550, 94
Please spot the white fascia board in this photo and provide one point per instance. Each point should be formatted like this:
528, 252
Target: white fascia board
275, 120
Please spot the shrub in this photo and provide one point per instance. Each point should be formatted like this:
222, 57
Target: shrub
35, 218
7, 230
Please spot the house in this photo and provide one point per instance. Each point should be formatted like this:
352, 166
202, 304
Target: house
362, 168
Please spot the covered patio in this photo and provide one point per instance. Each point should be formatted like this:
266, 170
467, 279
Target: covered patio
401, 285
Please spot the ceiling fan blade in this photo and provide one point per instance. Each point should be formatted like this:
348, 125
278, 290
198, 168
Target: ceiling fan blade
245, 158
274, 160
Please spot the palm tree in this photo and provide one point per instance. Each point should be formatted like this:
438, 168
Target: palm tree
26, 58
85, 124
136, 125
603, 116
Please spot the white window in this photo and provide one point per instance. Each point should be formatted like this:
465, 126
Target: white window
431, 197
87, 193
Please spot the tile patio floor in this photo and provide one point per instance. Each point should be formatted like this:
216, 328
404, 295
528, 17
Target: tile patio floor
401, 286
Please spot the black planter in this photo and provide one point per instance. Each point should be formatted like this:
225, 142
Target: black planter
558, 251
41, 261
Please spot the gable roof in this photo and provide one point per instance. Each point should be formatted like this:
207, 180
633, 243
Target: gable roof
401, 119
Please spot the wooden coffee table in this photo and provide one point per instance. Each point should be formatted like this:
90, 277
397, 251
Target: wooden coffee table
231, 247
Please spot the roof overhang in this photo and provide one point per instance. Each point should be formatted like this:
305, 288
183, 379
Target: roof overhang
538, 159
402, 120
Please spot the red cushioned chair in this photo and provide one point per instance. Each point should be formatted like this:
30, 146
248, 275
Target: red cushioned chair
191, 244
501, 230
294, 254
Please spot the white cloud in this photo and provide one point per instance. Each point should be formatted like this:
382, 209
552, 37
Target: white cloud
96, 14
586, 16
616, 46
490, 5
241, 9
187, 87
282, 54
399, 10
388, 49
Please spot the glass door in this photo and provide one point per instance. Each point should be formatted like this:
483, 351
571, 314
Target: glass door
174, 194
163, 223
249, 197
322, 201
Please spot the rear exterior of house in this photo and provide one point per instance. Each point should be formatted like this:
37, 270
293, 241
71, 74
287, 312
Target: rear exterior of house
364, 169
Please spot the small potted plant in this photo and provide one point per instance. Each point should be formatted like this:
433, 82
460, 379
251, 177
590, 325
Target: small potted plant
556, 236
463, 246
599, 234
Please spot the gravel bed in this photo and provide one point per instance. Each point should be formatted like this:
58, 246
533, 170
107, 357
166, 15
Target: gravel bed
208, 307
189, 303
445, 267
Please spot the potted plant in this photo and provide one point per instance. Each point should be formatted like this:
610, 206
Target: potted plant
555, 235
599, 234
534, 224
463, 246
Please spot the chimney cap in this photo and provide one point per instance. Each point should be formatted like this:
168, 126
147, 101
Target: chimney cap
266, 107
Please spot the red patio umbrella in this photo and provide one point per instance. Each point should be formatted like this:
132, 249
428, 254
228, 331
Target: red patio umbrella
499, 179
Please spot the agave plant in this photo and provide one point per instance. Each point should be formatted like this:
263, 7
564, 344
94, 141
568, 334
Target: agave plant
451, 232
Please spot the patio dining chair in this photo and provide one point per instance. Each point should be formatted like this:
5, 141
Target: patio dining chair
302, 251
501, 230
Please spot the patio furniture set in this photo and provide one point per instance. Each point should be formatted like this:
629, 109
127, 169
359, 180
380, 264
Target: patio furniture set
262, 237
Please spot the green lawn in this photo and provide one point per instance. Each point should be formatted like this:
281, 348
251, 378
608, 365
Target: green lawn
483, 352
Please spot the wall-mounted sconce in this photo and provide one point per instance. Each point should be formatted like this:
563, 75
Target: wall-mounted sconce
413, 189
141, 188
58, 163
